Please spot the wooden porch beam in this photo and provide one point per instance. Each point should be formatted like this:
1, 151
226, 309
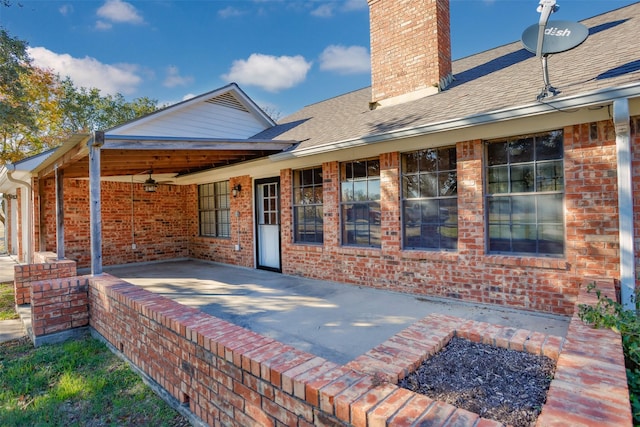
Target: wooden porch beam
191, 144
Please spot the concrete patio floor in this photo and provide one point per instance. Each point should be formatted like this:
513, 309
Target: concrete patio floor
335, 321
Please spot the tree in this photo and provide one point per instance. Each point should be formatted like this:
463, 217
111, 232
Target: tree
86, 110
272, 112
40, 94
58, 109
14, 65
38, 110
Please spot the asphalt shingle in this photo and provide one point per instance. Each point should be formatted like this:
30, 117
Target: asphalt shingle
505, 77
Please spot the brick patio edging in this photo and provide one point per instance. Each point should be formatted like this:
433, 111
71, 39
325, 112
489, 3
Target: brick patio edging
227, 375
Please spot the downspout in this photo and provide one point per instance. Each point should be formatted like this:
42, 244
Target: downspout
5, 216
625, 203
27, 214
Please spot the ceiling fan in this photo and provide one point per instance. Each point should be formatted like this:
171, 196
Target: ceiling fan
151, 185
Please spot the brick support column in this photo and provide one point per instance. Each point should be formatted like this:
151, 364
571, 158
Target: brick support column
391, 226
471, 237
59, 305
48, 268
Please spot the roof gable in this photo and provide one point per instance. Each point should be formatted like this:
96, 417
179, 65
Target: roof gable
223, 113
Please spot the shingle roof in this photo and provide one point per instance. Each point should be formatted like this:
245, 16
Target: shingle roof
504, 77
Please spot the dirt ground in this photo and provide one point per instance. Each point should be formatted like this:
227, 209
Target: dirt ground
503, 385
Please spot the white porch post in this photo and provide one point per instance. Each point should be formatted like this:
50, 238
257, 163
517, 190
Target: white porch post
625, 203
95, 208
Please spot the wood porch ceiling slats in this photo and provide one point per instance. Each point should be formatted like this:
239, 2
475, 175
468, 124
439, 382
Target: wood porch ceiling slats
124, 162
121, 156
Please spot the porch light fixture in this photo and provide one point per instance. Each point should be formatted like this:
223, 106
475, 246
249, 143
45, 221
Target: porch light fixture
150, 185
236, 190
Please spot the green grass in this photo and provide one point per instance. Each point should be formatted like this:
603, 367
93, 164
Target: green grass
76, 383
7, 302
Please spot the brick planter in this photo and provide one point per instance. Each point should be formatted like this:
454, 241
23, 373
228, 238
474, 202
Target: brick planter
227, 375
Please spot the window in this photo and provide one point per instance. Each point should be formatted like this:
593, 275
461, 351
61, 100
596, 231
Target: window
360, 202
525, 195
213, 209
430, 199
307, 206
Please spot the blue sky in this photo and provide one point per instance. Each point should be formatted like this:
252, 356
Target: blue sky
284, 54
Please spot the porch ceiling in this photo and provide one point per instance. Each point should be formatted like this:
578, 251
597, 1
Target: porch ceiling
128, 162
127, 155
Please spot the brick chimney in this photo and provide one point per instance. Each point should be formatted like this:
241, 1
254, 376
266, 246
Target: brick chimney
410, 49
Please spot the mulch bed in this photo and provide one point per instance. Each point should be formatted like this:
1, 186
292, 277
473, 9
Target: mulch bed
503, 385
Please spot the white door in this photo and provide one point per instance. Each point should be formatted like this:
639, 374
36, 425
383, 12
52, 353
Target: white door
268, 211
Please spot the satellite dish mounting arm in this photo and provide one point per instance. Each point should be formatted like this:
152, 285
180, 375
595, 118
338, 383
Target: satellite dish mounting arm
545, 8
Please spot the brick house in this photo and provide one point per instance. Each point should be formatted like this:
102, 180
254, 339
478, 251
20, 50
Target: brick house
456, 179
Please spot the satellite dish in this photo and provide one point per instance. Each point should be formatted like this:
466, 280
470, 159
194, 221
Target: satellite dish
551, 37
559, 36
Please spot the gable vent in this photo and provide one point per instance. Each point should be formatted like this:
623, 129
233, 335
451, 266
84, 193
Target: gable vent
227, 100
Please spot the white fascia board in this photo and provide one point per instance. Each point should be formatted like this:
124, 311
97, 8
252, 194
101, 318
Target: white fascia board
6, 186
29, 164
600, 97
74, 140
21, 170
253, 107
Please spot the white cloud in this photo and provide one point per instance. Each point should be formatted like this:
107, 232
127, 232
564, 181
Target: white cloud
229, 12
174, 78
345, 60
65, 9
89, 72
268, 72
102, 25
323, 11
118, 11
355, 5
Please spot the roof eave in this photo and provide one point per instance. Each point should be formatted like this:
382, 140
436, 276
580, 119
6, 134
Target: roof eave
588, 99
79, 139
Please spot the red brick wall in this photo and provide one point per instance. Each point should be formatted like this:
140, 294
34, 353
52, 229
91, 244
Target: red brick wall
230, 376
531, 283
59, 305
160, 227
592, 200
225, 374
165, 224
223, 249
24, 274
166, 227
589, 386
